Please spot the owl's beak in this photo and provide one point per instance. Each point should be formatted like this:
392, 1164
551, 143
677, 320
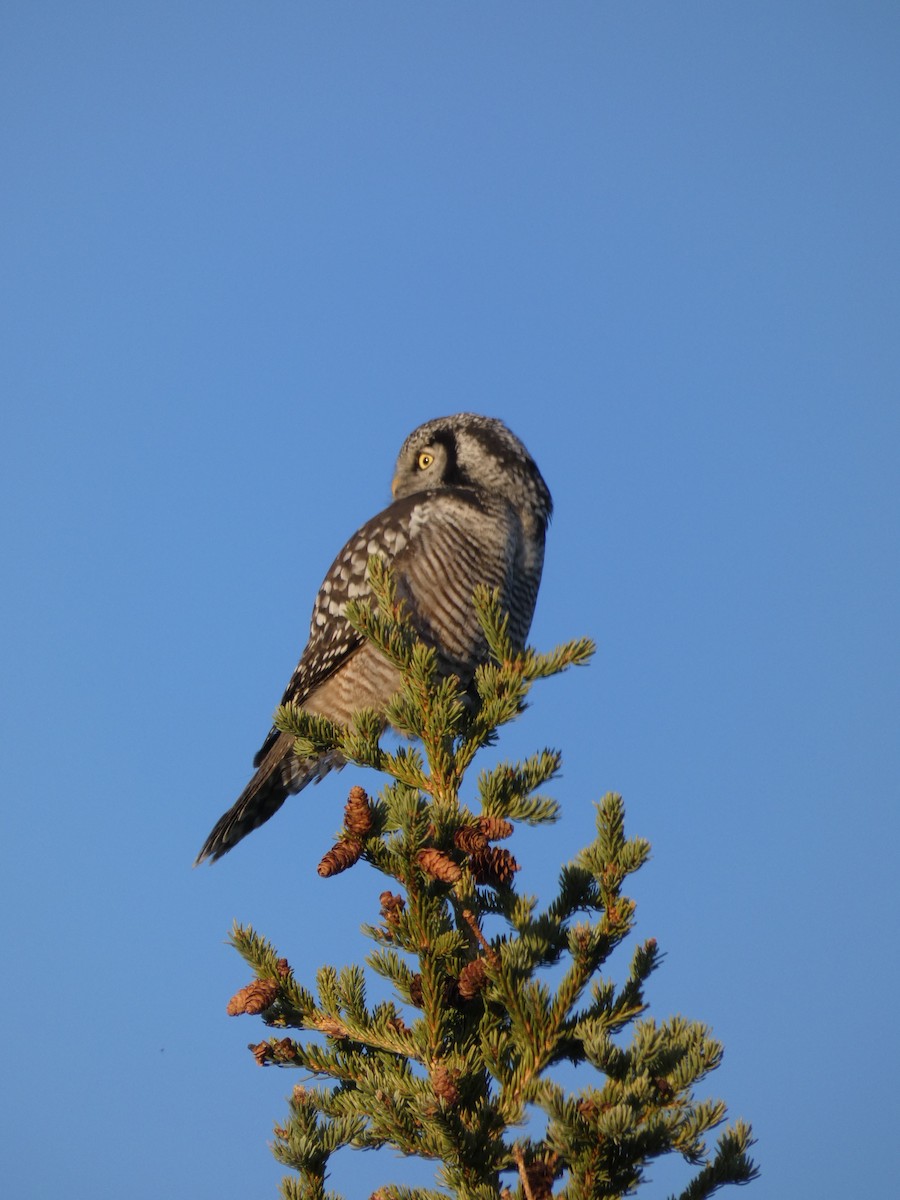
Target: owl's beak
394, 487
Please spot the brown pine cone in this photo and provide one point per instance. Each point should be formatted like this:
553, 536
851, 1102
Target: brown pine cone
472, 979
341, 856
255, 998
357, 813
439, 865
495, 829
494, 867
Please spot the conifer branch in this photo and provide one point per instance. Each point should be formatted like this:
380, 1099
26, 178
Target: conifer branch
454, 1067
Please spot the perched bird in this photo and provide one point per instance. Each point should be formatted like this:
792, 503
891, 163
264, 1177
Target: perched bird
469, 507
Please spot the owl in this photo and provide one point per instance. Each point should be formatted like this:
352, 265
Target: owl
470, 507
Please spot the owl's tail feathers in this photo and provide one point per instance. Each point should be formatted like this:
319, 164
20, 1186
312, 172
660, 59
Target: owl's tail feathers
280, 773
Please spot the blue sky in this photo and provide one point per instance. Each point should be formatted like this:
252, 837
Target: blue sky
245, 249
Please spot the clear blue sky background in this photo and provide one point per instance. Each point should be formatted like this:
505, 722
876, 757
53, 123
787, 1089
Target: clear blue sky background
246, 247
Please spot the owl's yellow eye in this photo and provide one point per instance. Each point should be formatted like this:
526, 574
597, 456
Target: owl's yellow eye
424, 460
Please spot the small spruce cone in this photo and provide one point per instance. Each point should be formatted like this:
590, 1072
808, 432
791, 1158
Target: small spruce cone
284, 1050
283, 967
358, 813
416, 995
444, 1083
439, 865
260, 1052
469, 839
341, 856
255, 998
493, 867
391, 907
472, 979
495, 829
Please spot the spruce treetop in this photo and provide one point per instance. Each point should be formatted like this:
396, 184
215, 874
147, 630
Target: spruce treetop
458, 1066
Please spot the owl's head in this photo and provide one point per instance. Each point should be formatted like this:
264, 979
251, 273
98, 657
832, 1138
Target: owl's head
470, 451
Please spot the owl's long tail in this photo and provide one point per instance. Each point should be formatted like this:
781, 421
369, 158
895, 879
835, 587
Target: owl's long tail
280, 773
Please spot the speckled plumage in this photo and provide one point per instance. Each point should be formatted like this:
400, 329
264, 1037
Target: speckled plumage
469, 507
